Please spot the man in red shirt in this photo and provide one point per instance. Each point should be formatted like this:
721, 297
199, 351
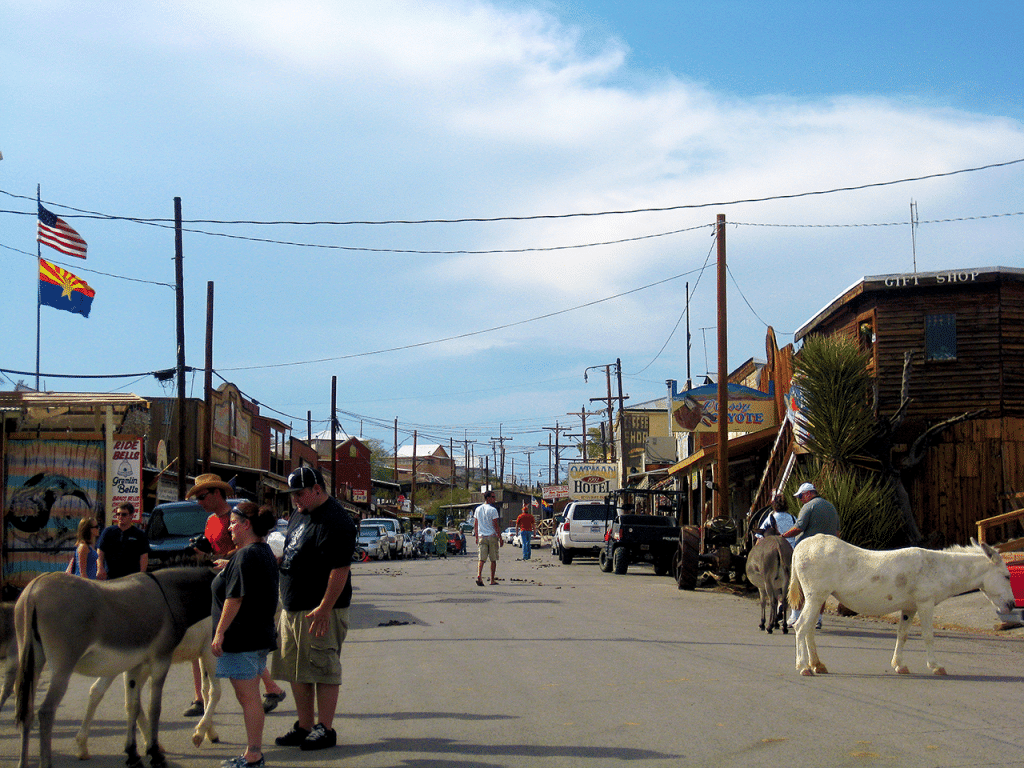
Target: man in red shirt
524, 524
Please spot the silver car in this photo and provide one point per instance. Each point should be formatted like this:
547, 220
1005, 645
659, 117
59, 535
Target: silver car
374, 539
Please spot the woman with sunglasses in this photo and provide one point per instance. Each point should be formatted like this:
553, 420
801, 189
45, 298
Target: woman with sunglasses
245, 595
83, 561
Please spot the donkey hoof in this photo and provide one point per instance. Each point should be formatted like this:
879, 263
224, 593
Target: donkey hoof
769, 630
785, 630
939, 671
806, 672
197, 739
820, 669
902, 670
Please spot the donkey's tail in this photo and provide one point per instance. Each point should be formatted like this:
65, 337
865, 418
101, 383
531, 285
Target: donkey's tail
25, 683
796, 591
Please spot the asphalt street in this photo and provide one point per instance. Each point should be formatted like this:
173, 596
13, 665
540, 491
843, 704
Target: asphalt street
568, 666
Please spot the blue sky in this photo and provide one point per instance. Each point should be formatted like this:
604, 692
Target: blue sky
343, 112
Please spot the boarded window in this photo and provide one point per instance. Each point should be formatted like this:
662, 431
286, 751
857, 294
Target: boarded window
940, 337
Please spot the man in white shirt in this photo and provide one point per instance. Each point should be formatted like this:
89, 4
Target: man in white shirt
485, 532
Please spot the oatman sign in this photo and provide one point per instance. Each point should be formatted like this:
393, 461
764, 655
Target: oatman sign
592, 482
696, 410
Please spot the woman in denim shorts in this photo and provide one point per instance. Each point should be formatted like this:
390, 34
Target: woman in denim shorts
244, 602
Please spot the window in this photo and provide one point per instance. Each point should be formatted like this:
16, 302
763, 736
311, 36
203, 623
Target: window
940, 337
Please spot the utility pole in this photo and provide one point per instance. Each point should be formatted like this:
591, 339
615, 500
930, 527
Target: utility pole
557, 429
500, 439
607, 401
208, 382
465, 454
723, 377
622, 424
334, 436
396, 451
179, 312
583, 415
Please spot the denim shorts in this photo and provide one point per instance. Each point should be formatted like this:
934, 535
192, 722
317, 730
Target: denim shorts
244, 665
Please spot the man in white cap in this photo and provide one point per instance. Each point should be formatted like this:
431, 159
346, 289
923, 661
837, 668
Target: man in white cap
816, 516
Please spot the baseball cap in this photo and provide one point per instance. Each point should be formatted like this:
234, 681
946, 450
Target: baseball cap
303, 478
805, 488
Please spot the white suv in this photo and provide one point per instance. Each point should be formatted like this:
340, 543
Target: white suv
583, 529
396, 539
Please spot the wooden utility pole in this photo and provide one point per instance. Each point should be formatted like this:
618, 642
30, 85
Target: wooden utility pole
622, 424
396, 451
556, 459
412, 484
179, 312
722, 508
334, 437
208, 383
583, 415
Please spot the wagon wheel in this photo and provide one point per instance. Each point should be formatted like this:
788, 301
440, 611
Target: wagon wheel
686, 561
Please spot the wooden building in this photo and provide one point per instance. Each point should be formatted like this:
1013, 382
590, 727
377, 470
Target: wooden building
965, 331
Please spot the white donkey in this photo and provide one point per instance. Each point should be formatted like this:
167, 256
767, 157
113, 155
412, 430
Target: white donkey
911, 581
195, 645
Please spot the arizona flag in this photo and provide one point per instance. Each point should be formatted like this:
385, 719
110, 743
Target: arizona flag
58, 234
60, 289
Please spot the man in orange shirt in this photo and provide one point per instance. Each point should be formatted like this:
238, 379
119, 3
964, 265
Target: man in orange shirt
524, 524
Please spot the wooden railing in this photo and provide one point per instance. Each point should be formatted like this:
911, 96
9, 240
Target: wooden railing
987, 524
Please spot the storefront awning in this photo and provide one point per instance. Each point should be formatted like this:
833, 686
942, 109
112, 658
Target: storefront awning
739, 447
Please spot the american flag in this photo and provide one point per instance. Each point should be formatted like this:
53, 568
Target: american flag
56, 233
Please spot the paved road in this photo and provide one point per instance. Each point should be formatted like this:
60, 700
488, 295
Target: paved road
567, 666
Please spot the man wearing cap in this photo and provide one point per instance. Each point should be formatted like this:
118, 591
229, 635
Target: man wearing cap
485, 532
816, 516
316, 590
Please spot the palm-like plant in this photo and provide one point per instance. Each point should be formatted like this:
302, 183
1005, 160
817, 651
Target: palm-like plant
833, 378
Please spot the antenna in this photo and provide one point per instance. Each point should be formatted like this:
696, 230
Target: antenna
913, 232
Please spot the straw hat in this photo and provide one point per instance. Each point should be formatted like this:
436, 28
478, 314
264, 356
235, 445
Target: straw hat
209, 481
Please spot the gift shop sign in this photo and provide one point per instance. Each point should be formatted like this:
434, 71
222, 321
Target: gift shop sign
592, 482
125, 472
696, 410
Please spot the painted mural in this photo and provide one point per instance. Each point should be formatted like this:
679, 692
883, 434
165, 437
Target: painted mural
51, 484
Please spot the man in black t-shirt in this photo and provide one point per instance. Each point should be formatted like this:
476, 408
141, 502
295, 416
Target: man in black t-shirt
122, 548
316, 590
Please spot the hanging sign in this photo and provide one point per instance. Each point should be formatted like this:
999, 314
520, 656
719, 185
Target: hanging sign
696, 410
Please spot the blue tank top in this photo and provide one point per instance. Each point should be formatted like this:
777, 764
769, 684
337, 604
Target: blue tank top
90, 563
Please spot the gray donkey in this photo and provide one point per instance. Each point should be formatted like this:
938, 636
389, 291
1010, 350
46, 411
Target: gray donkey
768, 567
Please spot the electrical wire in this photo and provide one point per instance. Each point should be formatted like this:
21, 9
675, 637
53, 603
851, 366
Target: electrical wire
83, 213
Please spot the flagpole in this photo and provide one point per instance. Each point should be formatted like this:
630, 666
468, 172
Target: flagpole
39, 290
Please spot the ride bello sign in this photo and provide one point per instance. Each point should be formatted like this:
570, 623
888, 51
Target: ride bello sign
696, 410
124, 468
592, 482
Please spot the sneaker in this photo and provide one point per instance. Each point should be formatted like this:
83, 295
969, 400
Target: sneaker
294, 738
817, 624
319, 738
195, 709
241, 762
271, 700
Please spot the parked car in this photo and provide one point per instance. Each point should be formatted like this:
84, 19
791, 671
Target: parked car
396, 537
374, 539
172, 528
466, 527
583, 532
508, 534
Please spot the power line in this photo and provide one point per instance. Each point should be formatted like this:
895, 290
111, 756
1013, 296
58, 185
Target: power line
84, 213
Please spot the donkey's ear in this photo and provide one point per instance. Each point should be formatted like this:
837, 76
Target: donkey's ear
991, 552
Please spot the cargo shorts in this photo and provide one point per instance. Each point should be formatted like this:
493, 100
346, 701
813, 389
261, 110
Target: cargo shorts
303, 658
489, 546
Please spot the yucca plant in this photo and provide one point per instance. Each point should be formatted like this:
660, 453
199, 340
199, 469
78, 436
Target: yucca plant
833, 378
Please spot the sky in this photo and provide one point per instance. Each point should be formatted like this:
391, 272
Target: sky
457, 208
